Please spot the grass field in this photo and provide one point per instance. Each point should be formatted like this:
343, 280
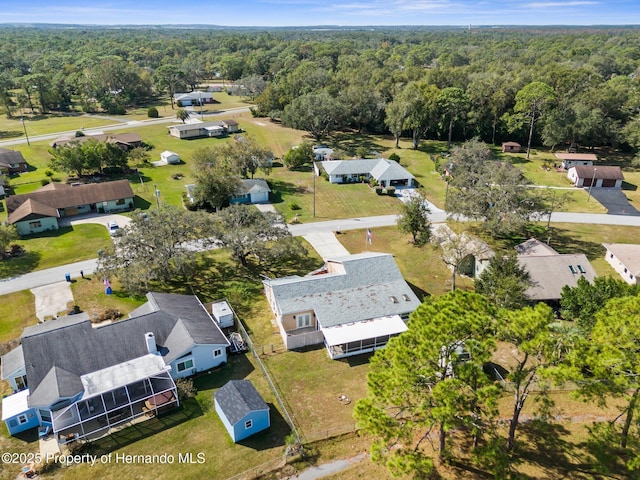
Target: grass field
18, 312
57, 247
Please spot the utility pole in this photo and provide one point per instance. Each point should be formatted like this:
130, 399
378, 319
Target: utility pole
25, 131
313, 169
157, 194
592, 180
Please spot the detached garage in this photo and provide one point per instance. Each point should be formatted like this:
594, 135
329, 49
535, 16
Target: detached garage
169, 157
241, 409
603, 176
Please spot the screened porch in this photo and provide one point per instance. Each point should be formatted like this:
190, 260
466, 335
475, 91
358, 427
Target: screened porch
92, 417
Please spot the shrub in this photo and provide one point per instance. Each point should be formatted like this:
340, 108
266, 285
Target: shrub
362, 152
379, 190
179, 103
48, 173
294, 206
152, 112
391, 191
44, 181
395, 157
186, 389
177, 175
103, 315
373, 182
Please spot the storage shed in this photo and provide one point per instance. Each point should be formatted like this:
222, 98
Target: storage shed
241, 409
169, 157
222, 313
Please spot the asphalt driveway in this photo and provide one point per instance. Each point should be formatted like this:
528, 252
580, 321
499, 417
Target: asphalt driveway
614, 200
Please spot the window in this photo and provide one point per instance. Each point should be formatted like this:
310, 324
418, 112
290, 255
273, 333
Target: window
248, 424
581, 268
182, 366
37, 224
573, 270
21, 382
626, 270
394, 299
217, 352
303, 320
45, 415
22, 419
611, 255
120, 202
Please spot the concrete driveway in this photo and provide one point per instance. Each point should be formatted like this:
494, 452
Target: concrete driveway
52, 299
614, 200
99, 218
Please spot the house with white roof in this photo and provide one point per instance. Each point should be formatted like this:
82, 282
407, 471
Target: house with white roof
193, 98
352, 305
83, 381
386, 172
625, 259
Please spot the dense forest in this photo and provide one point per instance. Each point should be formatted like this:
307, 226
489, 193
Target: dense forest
553, 86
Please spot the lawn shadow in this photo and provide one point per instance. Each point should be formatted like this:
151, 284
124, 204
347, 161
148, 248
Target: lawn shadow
349, 142
280, 189
274, 436
141, 203
357, 360
10, 134
12, 267
513, 160
422, 294
629, 186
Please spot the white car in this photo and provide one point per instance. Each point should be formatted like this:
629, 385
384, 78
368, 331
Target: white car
112, 227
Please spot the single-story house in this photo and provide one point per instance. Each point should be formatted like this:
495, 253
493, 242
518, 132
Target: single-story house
601, 176
241, 408
569, 160
193, 98
549, 271
625, 259
82, 381
254, 190
12, 161
386, 172
169, 157
126, 141
39, 211
321, 153
511, 147
352, 305
203, 129
477, 254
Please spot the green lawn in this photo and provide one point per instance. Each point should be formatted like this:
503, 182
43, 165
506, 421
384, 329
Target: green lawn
58, 247
18, 312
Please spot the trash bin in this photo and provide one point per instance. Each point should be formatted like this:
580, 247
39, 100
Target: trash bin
67, 277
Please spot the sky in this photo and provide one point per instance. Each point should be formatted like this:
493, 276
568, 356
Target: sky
323, 12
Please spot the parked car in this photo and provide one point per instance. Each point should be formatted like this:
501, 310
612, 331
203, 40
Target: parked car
112, 227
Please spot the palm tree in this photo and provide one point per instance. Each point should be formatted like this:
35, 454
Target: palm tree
182, 114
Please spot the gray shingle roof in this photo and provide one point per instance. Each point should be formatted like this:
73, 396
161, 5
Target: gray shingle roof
238, 398
7, 157
552, 272
255, 185
363, 292
58, 352
12, 361
534, 247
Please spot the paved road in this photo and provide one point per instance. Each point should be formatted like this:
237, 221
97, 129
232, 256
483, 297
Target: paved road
109, 128
53, 275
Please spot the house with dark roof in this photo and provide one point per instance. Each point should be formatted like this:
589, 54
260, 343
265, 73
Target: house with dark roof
605, 176
12, 161
386, 172
625, 259
252, 190
352, 305
241, 409
193, 98
83, 381
126, 141
550, 271
39, 211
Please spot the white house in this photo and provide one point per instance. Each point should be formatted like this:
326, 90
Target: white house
352, 305
569, 160
625, 259
602, 176
169, 157
386, 172
83, 380
252, 190
203, 129
193, 98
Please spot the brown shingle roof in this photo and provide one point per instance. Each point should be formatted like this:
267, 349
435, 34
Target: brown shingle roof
64, 196
7, 157
31, 209
604, 172
577, 156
